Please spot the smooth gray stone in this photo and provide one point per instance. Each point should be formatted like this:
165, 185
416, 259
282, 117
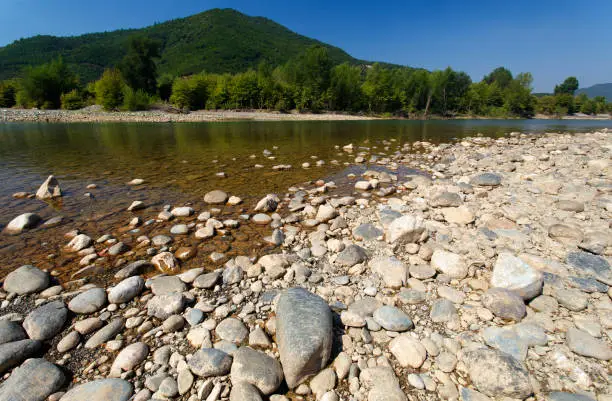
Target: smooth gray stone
561, 396
486, 180
34, 380
589, 263
258, 369
134, 269
126, 290
15, 352
46, 321
392, 319
207, 281
100, 390
243, 391
367, 232
164, 306
89, 301
167, 285
447, 199
351, 255
582, 343
507, 341
209, 362
26, 280
232, 330
106, 333
442, 311
496, 373
304, 334
11, 331
504, 303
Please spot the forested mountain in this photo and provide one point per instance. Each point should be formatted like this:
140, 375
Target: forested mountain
218, 41
604, 90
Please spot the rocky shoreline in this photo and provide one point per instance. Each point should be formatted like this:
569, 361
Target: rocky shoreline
159, 116
486, 278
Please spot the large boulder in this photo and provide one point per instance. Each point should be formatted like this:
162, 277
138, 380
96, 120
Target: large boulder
13, 353
34, 380
496, 373
512, 273
46, 321
100, 390
22, 222
49, 189
256, 368
26, 280
304, 334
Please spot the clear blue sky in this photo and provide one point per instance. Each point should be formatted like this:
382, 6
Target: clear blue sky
552, 39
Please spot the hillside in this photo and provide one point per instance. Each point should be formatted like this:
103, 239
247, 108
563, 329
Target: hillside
219, 40
604, 90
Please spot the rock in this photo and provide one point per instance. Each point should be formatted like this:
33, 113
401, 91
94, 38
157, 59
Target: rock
184, 211
79, 243
129, 357
100, 390
449, 263
559, 396
70, 341
22, 222
261, 219
87, 326
571, 299
161, 240
392, 270
589, 263
326, 213
118, 249
46, 321
49, 189
504, 303
495, 374
184, 381
207, 281
274, 265
392, 319
582, 343
89, 301
167, 285
205, 232
26, 280
367, 232
243, 391
209, 362
458, 215
136, 205
13, 353
512, 273
381, 384
363, 185
351, 255
443, 311
323, 382
11, 331
304, 334
473, 395
267, 204
408, 351
34, 380
164, 306
216, 197
106, 333
179, 229
405, 230
232, 330
126, 290
486, 180
165, 262
133, 269
256, 368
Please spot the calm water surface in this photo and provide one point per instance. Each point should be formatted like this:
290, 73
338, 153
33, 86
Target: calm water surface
179, 163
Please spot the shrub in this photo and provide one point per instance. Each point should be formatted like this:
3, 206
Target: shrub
110, 90
8, 94
135, 100
72, 100
181, 93
44, 85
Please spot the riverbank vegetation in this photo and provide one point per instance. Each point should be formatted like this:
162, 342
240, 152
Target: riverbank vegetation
310, 82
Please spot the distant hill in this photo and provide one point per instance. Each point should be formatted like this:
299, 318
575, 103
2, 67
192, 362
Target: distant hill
219, 40
604, 90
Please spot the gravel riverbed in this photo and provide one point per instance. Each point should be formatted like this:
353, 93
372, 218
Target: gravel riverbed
487, 276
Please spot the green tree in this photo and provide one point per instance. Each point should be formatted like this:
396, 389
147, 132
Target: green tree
345, 88
110, 89
138, 66
568, 87
8, 92
72, 100
164, 87
44, 85
501, 76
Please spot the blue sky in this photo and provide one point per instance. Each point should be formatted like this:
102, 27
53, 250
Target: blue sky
550, 39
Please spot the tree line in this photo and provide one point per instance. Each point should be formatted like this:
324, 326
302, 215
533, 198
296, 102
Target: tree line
309, 82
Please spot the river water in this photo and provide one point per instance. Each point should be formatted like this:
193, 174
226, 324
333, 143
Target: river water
180, 162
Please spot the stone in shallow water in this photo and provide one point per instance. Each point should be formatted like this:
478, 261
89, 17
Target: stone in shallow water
392, 319
496, 373
165, 262
26, 280
304, 334
34, 380
216, 197
22, 222
100, 390
367, 232
256, 368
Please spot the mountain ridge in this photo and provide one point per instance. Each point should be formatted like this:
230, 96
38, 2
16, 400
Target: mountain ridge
217, 40
604, 90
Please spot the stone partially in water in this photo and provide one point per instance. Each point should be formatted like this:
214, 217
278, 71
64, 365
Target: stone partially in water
304, 334
165, 262
34, 380
49, 189
26, 280
79, 243
22, 222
